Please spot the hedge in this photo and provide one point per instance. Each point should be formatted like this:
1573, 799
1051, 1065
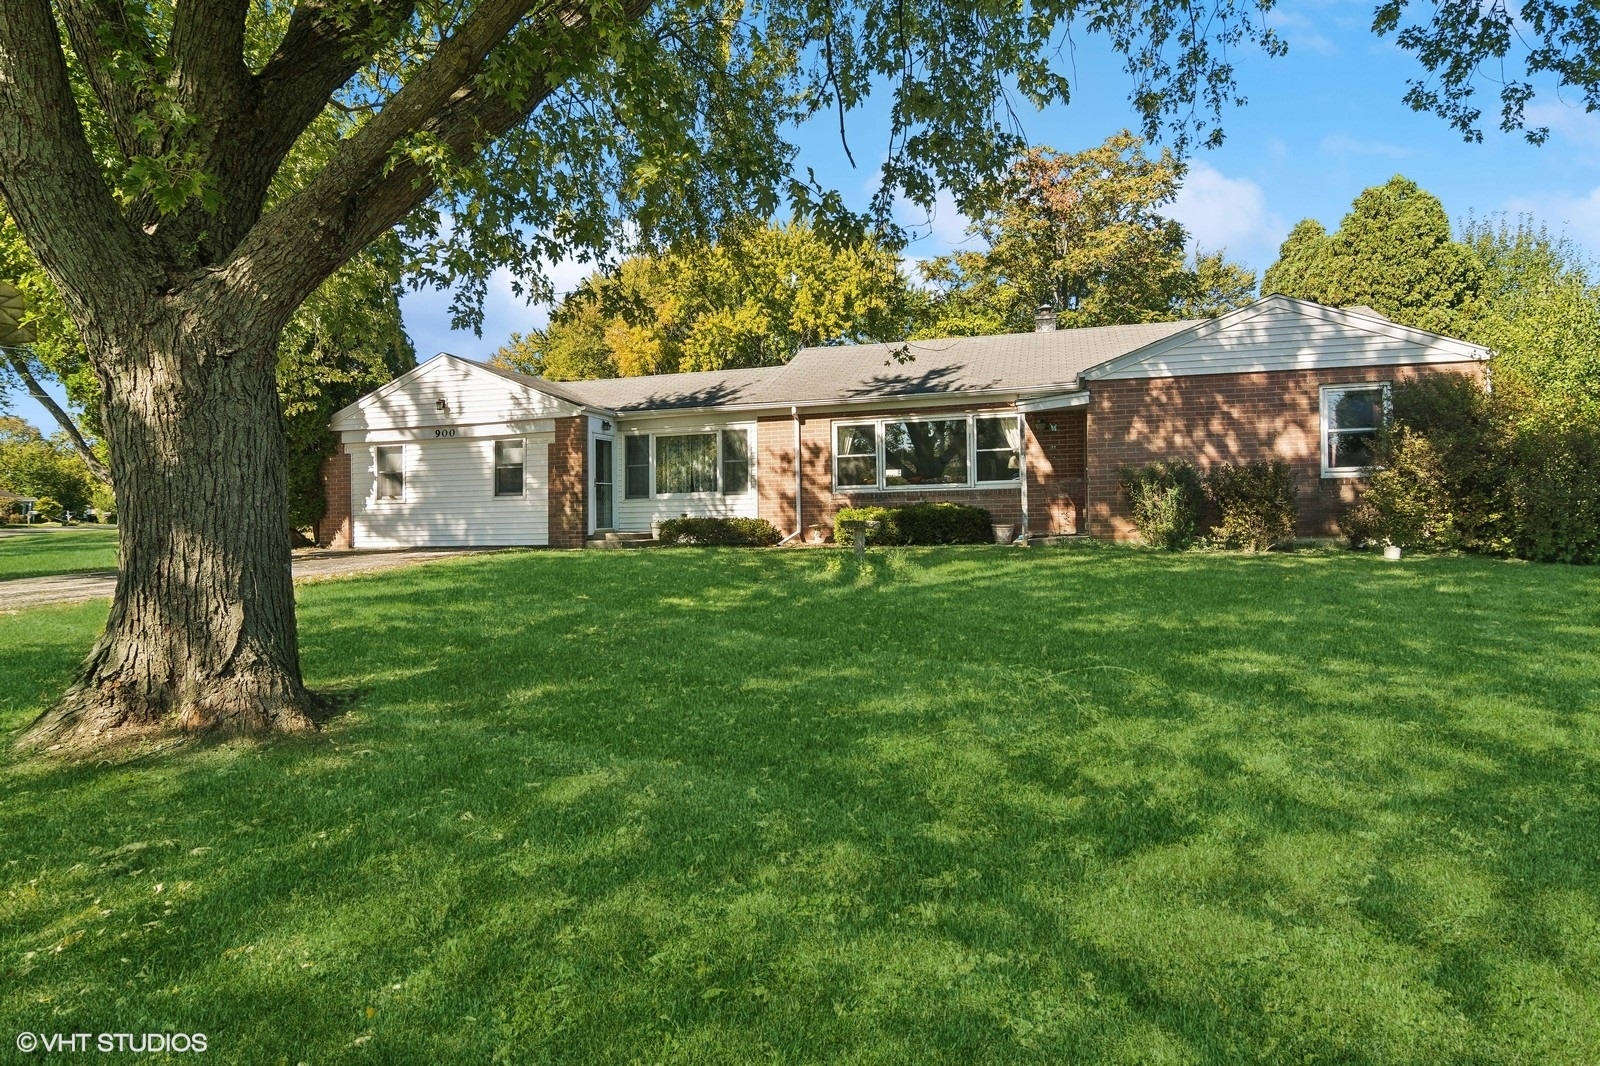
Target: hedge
725, 532
918, 523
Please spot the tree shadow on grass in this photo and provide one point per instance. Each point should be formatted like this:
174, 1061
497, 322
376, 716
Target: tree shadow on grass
963, 806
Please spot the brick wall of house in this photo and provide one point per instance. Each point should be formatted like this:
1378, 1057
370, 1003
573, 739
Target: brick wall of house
1057, 466
569, 486
334, 529
1216, 418
775, 472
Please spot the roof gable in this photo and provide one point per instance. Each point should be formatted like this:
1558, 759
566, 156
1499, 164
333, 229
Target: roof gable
1281, 333
472, 394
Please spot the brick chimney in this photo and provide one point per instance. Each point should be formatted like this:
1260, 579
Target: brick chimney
1044, 319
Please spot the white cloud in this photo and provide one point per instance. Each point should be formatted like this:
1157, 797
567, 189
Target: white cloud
1222, 212
427, 313
1300, 32
1576, 216
1578, 128
1344, 144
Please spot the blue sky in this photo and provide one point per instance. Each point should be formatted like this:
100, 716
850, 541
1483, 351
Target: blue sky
1321, 124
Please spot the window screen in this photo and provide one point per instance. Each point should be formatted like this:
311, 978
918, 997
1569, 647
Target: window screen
392, 472
508, 456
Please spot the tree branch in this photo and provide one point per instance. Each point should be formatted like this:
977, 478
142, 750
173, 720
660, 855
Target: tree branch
19, 363
119, 99
49, 178
364, 190
207, 52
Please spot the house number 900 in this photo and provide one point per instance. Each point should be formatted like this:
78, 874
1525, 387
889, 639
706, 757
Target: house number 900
444, 433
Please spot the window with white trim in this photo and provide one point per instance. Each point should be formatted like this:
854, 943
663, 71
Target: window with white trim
391, 470
944, 452
636, 467
1352, 416
712, 462
508, 466
856, 456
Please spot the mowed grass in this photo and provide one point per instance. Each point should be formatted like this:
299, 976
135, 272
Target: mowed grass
946, 806
43, 554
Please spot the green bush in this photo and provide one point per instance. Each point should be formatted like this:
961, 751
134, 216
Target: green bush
1164, 499
1553, 493
48, 508
725, 532
1362, 525
919, 523
1257, 503
1443, 468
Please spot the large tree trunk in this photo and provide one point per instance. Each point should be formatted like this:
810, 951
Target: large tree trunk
202, 630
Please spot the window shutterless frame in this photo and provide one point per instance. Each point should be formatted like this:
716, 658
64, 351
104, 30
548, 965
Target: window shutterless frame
389, 466
861, 459
509, 458
1350, 418
707, 462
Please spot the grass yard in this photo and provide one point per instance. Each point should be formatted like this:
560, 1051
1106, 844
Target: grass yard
68, 552
949, 806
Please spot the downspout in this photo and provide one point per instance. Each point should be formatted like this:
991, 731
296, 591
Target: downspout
799, 479
1022, 452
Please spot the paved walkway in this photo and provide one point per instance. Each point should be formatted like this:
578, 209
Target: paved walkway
71, 588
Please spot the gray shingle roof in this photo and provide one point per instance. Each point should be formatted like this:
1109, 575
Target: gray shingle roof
1011, 363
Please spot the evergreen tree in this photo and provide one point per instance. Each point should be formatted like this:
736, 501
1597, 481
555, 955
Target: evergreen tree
1393, 252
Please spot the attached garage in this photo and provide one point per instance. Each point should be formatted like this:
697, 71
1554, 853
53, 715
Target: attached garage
449, 456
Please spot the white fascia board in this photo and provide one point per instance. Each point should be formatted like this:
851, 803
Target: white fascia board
1145, 362
343, 417
1058, 402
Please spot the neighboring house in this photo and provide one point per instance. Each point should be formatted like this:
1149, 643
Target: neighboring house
1032, 426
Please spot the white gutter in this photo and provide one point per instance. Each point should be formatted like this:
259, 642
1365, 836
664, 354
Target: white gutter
799, 471
1022, 452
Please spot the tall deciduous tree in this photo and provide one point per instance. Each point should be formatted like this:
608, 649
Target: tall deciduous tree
1392, 252
1085, 234
752, 299
1540, 312
189, 172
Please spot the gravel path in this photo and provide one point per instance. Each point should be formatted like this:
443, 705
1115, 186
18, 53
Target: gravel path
71, 588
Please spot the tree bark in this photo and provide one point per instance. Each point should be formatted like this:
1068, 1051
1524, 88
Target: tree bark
201, 636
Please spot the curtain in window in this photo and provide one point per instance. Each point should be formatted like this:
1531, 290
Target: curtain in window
686, 463
999, 449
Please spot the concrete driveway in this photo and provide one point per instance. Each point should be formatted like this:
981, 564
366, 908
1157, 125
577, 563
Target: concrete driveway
71, 588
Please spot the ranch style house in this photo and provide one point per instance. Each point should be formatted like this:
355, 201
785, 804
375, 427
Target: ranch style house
1032, 426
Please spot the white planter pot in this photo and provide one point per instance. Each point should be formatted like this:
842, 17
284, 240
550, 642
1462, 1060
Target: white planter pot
1391, 552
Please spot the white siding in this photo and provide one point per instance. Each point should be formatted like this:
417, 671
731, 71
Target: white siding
1286, 335
636, 515
472, 396
449, 498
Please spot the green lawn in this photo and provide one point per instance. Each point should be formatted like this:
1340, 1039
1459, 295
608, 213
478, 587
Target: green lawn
68, 552
949, 806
